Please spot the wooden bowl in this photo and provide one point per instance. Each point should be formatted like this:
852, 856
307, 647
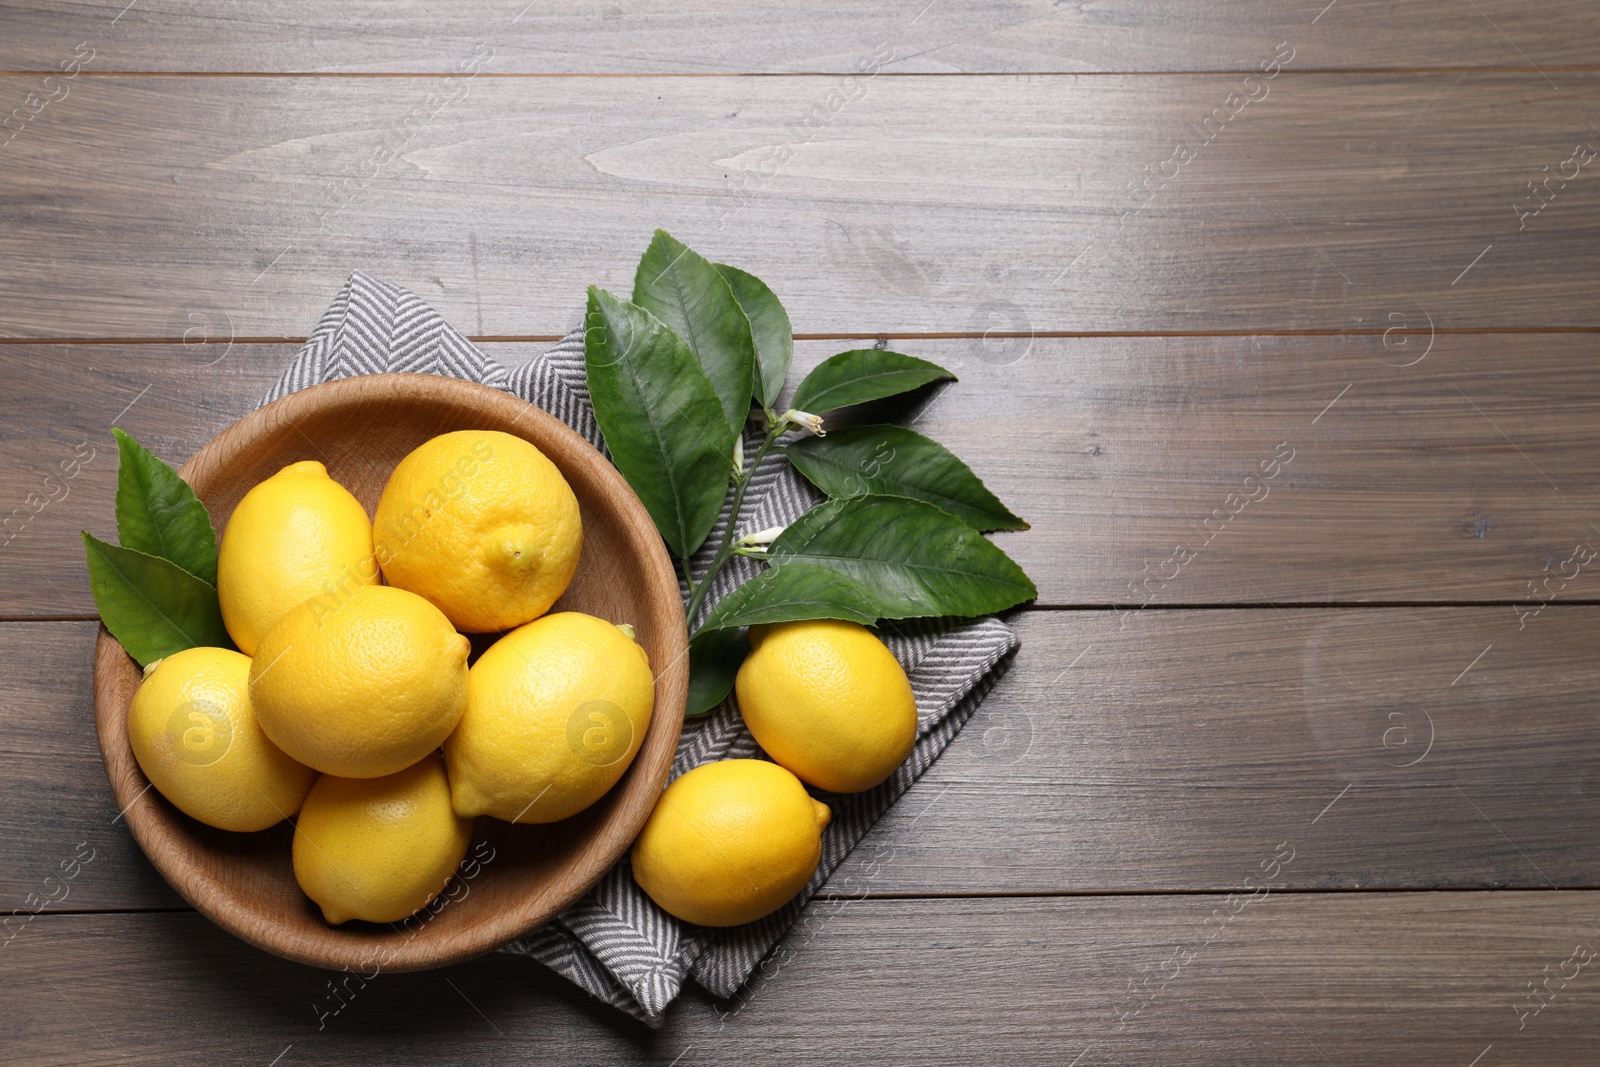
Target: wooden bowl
360, 428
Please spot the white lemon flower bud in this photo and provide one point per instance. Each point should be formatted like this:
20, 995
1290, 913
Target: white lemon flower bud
805, 420
760, 537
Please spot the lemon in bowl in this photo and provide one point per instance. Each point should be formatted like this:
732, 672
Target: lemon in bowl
483, 525
379, 849
360, 686
296, 535
556, 711
196, 738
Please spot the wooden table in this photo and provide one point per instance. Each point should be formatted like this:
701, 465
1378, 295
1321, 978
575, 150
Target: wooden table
1299, 769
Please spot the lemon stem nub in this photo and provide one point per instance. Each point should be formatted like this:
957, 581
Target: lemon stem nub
513, 546
627, 629
823, 813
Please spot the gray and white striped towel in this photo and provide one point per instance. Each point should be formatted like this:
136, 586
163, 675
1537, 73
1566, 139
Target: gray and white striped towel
615, 942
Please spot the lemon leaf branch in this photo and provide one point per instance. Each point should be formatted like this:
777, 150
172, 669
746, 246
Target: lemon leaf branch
741, 482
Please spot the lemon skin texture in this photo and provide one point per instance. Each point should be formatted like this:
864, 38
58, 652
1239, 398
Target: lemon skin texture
827, 700
362, 686
378, 849
483, 525
556, 711
196, 738
294, 536
730, 842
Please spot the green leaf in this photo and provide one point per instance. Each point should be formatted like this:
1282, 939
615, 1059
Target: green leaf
158, 514
681, 288
714, 659
912, 557
861, 375
151, 605
769, 326
792, 591
893, 460
660, 418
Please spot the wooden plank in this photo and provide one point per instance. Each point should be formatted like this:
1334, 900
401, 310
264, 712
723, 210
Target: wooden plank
659, 36
1119, 450
56, 807
1175, 753
1177, 749
69, 398
1434, 978
907, 204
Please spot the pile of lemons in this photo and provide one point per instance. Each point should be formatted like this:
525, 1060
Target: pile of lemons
351, 703
353, 673
735, 840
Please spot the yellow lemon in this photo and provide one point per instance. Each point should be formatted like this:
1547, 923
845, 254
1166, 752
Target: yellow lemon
293, 536
361, 686
197, 740
483, 525
730, 842
556, 711
829, 701
379, 849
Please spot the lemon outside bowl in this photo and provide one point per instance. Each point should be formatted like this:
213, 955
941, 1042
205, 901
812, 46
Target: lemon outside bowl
360, 428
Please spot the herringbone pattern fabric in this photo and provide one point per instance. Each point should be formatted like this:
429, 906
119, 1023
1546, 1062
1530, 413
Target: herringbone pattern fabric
615, 943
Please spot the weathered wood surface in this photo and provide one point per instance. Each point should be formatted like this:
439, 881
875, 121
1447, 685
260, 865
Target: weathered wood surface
701, 36
1162, 751
1462, 478
1025, 901
915, 204
1416, 978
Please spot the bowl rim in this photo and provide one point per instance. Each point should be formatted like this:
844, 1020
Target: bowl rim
644, 780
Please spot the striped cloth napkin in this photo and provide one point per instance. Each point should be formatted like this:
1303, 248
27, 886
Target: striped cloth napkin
615, 943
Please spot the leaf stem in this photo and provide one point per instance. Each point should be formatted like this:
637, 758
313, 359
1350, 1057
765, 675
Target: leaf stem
697, 595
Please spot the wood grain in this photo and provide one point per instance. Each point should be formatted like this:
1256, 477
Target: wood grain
1176, 749
1422, 483
1046, 868
1417, 978
56, 804
661, 36
915, 204
1173, 753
